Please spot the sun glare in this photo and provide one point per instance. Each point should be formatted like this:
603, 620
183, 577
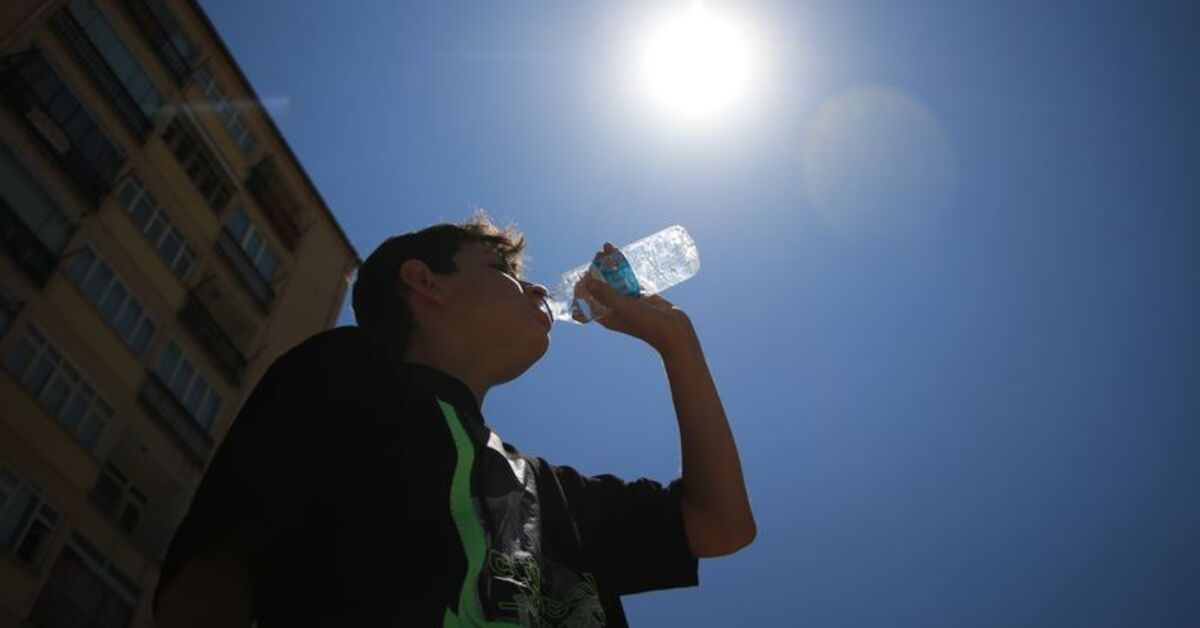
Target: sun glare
696, 65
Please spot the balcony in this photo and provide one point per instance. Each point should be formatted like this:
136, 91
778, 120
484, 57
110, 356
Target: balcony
36, 92
102, 76
161, 30
157, 399
204, 326
23, 247
199, 162
245, 270
277, 201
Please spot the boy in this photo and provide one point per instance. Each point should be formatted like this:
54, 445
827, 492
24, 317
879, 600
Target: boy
361, 485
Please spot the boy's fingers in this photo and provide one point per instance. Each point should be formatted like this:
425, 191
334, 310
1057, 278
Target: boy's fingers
606, 294
600, 288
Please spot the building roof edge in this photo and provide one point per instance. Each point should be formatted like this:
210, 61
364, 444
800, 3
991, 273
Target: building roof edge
237, 69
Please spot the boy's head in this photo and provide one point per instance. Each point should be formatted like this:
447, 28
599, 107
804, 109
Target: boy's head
457, 284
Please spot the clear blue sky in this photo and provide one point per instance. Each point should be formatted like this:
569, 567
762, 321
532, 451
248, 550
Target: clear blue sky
949, 286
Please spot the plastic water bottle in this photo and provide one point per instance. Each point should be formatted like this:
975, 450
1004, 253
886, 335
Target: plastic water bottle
648, 266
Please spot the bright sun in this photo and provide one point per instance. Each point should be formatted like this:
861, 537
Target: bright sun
696, 65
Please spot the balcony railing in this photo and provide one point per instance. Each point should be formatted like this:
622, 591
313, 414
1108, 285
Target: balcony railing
101, 74
244, 268
165, 36
276, 201
208, 331
157, 399
23, 247
36, 92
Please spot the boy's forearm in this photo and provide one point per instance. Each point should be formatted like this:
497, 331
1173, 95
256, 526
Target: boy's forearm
716, 506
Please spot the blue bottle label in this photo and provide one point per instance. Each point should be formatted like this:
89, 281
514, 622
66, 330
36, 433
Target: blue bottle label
614, 269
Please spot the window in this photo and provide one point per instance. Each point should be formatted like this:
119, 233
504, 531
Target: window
39, 94
59, 387
187, 385
85, 589
117, 498
251, 241
52, 224
199, 163
35, 229
26, 521
110, 64
115, 302
226, 110
154, 223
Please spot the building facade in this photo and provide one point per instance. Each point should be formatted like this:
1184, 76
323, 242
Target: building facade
160, 245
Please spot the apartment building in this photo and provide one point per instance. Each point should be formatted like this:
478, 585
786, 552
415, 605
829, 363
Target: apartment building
160, 245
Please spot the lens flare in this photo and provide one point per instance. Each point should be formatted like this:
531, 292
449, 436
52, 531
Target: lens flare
877, 162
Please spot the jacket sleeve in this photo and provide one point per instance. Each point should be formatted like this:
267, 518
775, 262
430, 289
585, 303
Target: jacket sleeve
632, 532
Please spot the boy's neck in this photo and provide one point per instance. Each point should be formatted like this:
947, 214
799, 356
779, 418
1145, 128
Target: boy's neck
454, 361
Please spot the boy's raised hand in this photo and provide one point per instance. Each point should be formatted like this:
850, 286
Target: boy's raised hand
650, 318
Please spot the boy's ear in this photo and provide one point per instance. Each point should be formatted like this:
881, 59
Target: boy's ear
421, 282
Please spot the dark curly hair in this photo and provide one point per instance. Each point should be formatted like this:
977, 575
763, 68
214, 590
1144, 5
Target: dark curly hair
380, 299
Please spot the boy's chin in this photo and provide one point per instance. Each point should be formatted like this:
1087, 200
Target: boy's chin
518, 367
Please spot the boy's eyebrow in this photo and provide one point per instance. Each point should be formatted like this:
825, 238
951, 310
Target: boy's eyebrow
504, 264
496, 257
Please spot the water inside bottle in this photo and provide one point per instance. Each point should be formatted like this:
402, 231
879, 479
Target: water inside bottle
647, 266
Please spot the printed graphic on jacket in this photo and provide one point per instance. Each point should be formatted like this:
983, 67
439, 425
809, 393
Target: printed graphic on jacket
508, 581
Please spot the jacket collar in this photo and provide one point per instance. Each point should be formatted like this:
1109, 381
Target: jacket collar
446, 386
